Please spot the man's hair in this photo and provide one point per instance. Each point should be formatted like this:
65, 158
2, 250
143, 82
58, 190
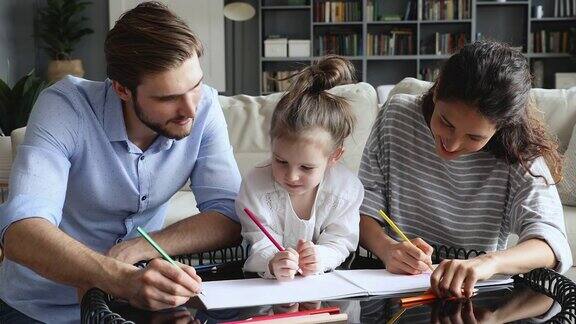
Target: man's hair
146, 40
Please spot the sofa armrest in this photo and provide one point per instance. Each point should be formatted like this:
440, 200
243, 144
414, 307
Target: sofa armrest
570, 220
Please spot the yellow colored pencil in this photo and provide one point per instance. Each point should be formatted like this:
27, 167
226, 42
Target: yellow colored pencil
398, 231
396, 316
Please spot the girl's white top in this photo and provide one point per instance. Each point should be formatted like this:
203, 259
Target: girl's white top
333, 225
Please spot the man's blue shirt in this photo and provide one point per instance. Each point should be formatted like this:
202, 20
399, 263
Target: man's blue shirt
78, 169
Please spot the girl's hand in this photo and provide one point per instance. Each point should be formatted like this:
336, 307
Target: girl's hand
457, 277
308, 260
285, 308
405, 258
284, 264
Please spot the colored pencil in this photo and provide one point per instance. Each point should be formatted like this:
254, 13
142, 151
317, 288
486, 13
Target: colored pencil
399, 232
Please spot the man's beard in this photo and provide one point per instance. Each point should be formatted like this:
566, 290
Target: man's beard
157, 127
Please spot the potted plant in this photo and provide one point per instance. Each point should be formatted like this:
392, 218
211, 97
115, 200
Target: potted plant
15, 106
60, 27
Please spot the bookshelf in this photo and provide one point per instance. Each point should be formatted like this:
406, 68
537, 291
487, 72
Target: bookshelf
389, 40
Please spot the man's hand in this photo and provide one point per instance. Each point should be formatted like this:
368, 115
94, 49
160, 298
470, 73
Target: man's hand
284, 264
161, 285
179, 316
132, 251
308, 257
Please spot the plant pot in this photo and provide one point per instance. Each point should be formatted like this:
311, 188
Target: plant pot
57, 69
5, 159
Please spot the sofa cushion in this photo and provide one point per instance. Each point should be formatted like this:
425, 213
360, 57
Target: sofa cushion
570, 219
249, 118
410, 86
181, 205
559, 112
567, 187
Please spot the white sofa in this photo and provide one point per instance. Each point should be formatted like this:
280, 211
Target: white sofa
248, 121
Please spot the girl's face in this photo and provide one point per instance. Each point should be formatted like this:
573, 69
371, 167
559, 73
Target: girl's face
459, 129
298, 164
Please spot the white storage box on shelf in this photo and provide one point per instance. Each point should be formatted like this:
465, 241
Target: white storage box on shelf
276, 47
299, 48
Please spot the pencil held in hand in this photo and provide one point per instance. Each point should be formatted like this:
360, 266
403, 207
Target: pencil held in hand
265, 231
155, 245
158, 248
396, 229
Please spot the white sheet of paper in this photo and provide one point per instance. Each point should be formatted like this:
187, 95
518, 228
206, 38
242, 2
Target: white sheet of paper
334, 285
382, 282
255, 292
378, 282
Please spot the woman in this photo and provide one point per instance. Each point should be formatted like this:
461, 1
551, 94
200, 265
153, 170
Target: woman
464, 166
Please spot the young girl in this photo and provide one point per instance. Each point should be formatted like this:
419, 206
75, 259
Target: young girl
464, 166
303, 196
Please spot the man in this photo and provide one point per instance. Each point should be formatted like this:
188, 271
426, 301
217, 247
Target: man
100, 159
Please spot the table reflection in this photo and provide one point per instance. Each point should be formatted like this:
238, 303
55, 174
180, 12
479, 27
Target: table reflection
495, 305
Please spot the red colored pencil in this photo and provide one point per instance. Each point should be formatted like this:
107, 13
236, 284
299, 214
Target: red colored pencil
265, 231
326, 310
426, 297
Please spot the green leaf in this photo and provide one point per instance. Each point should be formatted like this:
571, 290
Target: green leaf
61, 26
16, 103
4, 104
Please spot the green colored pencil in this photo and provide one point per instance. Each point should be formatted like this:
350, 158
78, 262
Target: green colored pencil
156, 246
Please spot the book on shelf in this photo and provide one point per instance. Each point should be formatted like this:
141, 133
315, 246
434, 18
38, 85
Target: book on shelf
410, 12
445, 9
419, 8
538, 73
391, 18
444, 43
341, 43
375, 11
337, 11
275, 81
564, 8
544, 41
394, 42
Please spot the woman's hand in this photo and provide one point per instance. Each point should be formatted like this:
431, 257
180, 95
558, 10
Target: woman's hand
284, 264
308, 257
461, 311
457, 277
406, 258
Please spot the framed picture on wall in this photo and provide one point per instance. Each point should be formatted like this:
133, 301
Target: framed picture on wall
206, 19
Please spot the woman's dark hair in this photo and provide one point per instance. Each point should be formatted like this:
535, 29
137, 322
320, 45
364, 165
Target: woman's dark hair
307, 105
496, 80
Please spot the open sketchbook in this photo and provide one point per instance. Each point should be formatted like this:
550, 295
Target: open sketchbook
333, 285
